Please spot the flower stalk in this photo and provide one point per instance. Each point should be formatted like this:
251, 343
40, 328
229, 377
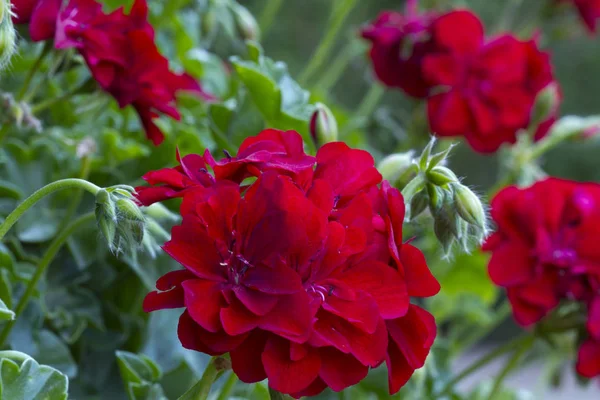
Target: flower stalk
72, 183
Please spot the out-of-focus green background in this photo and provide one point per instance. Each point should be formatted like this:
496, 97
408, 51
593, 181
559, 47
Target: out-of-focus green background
576, 56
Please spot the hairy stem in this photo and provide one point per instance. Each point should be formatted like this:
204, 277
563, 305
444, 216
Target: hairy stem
40, 194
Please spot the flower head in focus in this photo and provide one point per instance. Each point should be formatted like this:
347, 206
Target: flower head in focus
545, 252
302, 274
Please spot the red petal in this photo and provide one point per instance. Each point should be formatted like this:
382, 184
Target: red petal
285, 375
588, 362
593, 323
204, 302
339, 370
194, 337
413, 334
419, 280
383, 283
449, 114
459, 31
511, 264
170, 294
246, 359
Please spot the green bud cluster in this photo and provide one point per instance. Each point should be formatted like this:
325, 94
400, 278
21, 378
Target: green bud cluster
458, 213
119, 218
395, 168
156, 235
8, 35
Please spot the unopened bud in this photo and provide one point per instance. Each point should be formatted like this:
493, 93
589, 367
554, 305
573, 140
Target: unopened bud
323, 125
394, 166
8, 35
245, 22
441, 176
443, 229
127, 209
468, 206
546, 103
418, 204
437, 197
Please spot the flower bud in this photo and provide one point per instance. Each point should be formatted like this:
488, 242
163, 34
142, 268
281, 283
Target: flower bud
468, 206
127, 209
443, 229
394, 166
8, 35
323, 125
441, 176
546, 103
160, 212
418, 204
245, 22
119, 218
437, 197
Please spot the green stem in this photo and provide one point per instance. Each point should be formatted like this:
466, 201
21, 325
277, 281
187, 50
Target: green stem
511, 364
365, 108
499, 316
34, 68
330, 77
84, 173
40, 194
268, 15
45, 262
339, 13
201, 389
228, 386
54, 100
486, 359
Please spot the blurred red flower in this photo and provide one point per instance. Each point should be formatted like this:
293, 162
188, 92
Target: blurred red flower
545, 251
589, 11
120, 51
302, 274
481, 89
399, 43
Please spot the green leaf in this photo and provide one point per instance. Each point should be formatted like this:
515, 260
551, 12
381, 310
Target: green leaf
467, 274
22, 378
137, 368
140, 375
54, 352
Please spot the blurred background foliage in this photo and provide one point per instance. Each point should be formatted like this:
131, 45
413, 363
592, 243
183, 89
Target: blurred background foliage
86, 319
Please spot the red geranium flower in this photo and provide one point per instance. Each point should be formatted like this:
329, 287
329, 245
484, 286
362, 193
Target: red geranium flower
485, 91
301, 275
589, 11
399, 43
121, 53
481, 89
545, 251
269, 150
39, 14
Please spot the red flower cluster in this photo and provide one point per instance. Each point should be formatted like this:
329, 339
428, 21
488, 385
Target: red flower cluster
481, 89
589, 11
546, 251
294, 265
120, 51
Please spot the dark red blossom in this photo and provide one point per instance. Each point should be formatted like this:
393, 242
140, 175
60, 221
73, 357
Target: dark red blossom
485, 90
545, 251
399, 43
589, 10
269, 150
39, 14
120, 52
482, 89
302, 275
